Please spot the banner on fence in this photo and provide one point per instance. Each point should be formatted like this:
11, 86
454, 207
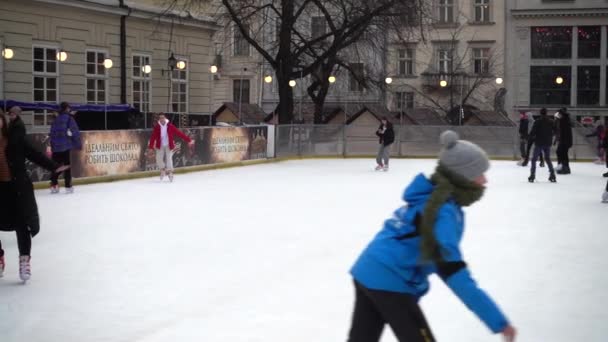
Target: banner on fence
119, 152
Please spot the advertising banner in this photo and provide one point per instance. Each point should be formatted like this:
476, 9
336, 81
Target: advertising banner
119, 152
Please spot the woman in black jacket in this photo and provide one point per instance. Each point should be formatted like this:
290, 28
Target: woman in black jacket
564, 142
18, 209
387, 136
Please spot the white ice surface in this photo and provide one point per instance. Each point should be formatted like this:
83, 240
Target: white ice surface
262, 253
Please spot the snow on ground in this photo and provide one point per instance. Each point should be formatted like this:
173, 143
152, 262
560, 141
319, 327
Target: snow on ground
262, 253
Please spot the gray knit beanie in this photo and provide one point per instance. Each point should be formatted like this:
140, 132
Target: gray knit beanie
462, 157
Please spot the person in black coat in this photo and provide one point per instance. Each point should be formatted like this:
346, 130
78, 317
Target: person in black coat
542, 135
605, 145
18, 208
564, 142
386, 136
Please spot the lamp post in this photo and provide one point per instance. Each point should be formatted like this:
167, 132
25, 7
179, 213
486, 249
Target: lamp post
388, 82
107, 64
241, 95
213, 70
7, 53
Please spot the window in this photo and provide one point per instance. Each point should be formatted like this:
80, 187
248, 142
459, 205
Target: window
409, 16
406, 62
96, 83
357, 73
481, 61
405, 100
588, 82
241, 46
45, 73
589, 41
445, 60
241, 91
552, 42
317, 27
179, 89
545, 87
446, 11
482, 11
141, 83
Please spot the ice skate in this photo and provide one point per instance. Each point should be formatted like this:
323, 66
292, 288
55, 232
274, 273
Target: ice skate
552, 177
564, 171
542, 164
171, 176
54, 189
605, 174
379, 167
598, 161
162, 174
524, 163
69, 190
604, 199
531, 178
24, 268
385, 168
2, 265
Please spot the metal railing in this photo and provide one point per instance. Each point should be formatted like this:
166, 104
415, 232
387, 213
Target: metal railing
410, 141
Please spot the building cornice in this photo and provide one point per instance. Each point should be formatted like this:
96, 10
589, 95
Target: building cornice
136, 13
562, 12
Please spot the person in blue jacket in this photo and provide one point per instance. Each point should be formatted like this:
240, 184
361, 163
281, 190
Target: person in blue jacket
422, 238
64, 136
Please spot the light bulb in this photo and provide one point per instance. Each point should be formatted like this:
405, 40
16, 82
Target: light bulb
181, 65
8, 53
107, 63
146, 69
292, 83
268, 79
62, 56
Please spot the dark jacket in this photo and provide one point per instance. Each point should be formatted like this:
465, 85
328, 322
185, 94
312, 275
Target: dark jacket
17, 151
388, 137
542, 131
64, 134
523, 127
565, 130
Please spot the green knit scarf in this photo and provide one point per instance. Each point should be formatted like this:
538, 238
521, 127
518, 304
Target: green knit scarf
447, 185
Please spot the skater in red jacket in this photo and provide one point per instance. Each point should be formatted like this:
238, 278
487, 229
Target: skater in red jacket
163, 143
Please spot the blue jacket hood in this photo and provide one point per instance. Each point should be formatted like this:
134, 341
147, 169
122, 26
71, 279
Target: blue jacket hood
418, 191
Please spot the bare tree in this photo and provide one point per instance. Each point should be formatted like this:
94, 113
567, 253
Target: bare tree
469, 74
292, 52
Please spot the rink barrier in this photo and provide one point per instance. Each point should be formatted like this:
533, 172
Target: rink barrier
110, 155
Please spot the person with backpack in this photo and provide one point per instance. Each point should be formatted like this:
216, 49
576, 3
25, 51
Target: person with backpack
542, 136
386, 136
64, 137
421, 238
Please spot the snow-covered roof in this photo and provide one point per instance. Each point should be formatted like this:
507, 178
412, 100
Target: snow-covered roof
142, 10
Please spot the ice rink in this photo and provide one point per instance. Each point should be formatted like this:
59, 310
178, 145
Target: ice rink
262, 253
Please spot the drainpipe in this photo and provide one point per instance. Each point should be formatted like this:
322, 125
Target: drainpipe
123, 52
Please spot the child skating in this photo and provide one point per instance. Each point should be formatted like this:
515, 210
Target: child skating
162, 141
423, 237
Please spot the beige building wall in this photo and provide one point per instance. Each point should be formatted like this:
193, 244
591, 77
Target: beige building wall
467, 34
28, 23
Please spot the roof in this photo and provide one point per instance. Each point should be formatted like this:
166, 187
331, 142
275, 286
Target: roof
376, 110
250, 113
426, 116
403, 117
489, 118
135, 8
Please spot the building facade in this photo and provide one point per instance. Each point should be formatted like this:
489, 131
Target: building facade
557, 55
72, 50
457, 57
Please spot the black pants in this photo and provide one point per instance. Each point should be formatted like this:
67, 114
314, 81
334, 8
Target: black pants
374, 309
529, 149
8, 207
523, 143
62, 158
539, 151
562, 156
24, 242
